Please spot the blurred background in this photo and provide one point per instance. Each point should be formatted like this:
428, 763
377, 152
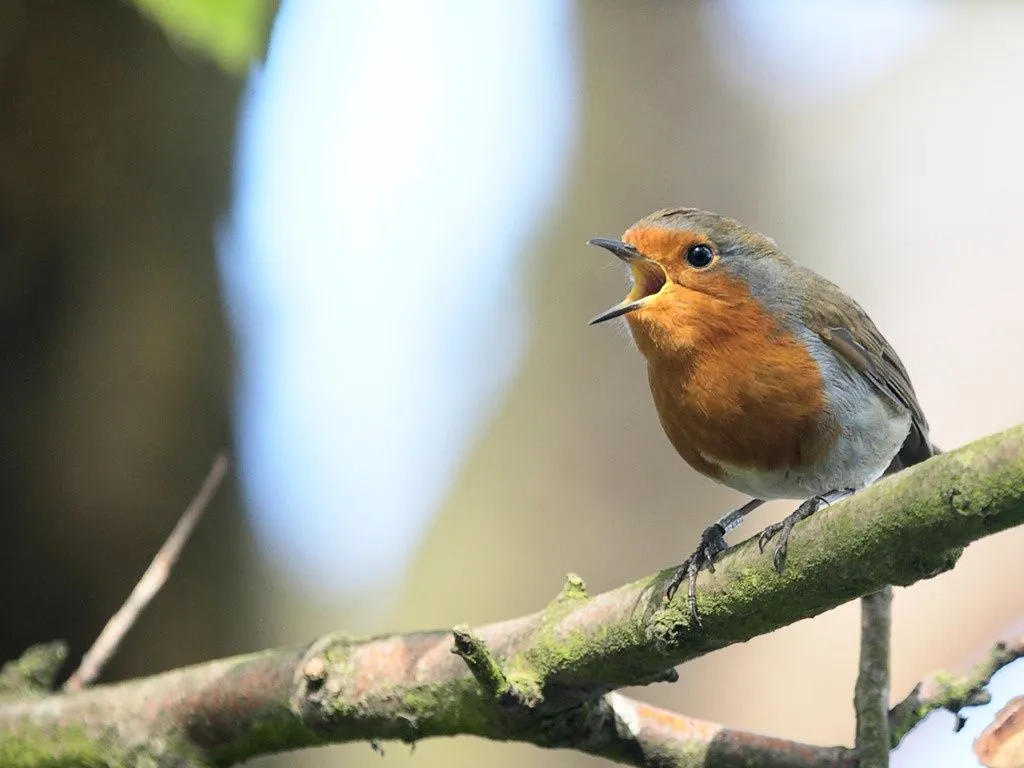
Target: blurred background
344, 242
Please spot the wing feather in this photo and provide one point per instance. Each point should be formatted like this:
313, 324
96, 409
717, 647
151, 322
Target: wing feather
847, 329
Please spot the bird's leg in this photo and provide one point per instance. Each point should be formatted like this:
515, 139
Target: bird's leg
784, 527
712, 544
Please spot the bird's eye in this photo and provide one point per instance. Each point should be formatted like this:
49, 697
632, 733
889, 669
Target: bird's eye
699, 256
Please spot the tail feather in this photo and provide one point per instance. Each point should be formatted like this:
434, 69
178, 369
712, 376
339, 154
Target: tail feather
916, 449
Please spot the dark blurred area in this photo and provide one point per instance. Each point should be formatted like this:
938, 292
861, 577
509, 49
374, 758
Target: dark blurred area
115, 386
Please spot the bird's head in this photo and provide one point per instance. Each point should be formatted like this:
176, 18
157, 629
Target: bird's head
695, 274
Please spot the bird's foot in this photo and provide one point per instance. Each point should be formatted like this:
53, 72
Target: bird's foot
784, 527
712, 544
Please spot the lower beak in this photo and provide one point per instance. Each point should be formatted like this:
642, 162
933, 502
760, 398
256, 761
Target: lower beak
637, 262
622, 308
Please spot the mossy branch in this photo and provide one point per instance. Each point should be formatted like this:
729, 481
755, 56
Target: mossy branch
871, 695
905, 528
35, 671
941, 690
488, 672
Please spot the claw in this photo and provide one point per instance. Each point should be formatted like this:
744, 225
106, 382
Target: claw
784, 527
676, 580
779, 558
767, 535
712, 544
691, 591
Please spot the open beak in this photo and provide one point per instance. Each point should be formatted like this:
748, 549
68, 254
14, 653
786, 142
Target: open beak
648, 277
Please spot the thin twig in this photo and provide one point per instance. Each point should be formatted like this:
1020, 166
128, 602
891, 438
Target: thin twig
871, 696
645, 735
149, 585
941, 690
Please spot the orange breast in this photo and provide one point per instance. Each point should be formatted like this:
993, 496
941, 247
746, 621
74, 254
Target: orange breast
747, 392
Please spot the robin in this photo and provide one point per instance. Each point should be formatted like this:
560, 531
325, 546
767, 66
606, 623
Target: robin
766, 377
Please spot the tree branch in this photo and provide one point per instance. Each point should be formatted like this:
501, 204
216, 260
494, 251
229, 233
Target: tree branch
408, 687
336, 690
488, 672
35, 672
871, 696
648, 736
941, 690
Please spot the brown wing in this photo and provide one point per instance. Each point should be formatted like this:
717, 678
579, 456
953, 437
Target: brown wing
847, 329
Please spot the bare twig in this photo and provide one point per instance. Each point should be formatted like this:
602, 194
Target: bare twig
149, 585
871, 696
941, 690
649, 736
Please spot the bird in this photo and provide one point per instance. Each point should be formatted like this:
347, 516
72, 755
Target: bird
766, 377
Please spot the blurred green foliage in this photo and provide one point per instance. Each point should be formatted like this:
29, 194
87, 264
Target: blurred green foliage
231, 32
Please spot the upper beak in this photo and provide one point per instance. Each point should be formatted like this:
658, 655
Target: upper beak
624, 251
634, 258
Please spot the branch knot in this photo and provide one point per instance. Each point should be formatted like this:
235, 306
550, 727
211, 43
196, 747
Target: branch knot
488, 672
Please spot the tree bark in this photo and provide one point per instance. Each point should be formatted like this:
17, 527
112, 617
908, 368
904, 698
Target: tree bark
562, 661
